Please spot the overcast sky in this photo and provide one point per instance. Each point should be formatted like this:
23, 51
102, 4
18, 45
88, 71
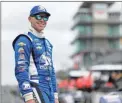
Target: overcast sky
15, 21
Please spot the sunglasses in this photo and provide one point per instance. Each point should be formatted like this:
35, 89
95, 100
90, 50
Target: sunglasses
39, 17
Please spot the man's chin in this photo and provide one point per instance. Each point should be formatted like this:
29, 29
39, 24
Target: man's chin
40, 30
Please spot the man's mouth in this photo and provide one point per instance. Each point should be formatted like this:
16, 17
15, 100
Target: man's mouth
40, 24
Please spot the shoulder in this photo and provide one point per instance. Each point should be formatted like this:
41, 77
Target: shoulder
48, 42
21, 39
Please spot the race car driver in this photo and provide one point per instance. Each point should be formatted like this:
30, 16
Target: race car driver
33, 59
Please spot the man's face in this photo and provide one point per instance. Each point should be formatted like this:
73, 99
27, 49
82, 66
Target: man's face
38, 21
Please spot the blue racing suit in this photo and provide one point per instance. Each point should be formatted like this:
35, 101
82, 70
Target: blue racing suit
33, 63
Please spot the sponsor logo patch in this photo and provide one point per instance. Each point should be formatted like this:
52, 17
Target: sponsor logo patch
21, 62
45, 60
26, 86
48, 78
21, 50
38, 47
36, 40
21, 44
21, 57
39, 44
21, 69
41, 8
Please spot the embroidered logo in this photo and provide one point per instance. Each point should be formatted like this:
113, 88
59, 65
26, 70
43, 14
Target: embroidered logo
21, 50
38, 47
21, 44
41, 8
36, 40
21, 57
26, 86
21, 62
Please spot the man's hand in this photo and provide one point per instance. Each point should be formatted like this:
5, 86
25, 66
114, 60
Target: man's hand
56, 101
32, 101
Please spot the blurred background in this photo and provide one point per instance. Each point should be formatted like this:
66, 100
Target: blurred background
87, 53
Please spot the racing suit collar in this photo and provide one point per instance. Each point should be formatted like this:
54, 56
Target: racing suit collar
32, 30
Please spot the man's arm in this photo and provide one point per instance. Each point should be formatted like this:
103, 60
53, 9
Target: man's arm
54, 82
53, 78
22, 47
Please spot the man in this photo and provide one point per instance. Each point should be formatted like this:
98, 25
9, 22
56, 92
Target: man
39, 70
117, 79
114, 97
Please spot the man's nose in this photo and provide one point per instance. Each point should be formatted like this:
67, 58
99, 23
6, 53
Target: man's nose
42, 20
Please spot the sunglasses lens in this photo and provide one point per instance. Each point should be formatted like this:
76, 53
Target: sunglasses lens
45, 18
38, 17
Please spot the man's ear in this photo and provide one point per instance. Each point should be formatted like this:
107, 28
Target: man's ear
29, 18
